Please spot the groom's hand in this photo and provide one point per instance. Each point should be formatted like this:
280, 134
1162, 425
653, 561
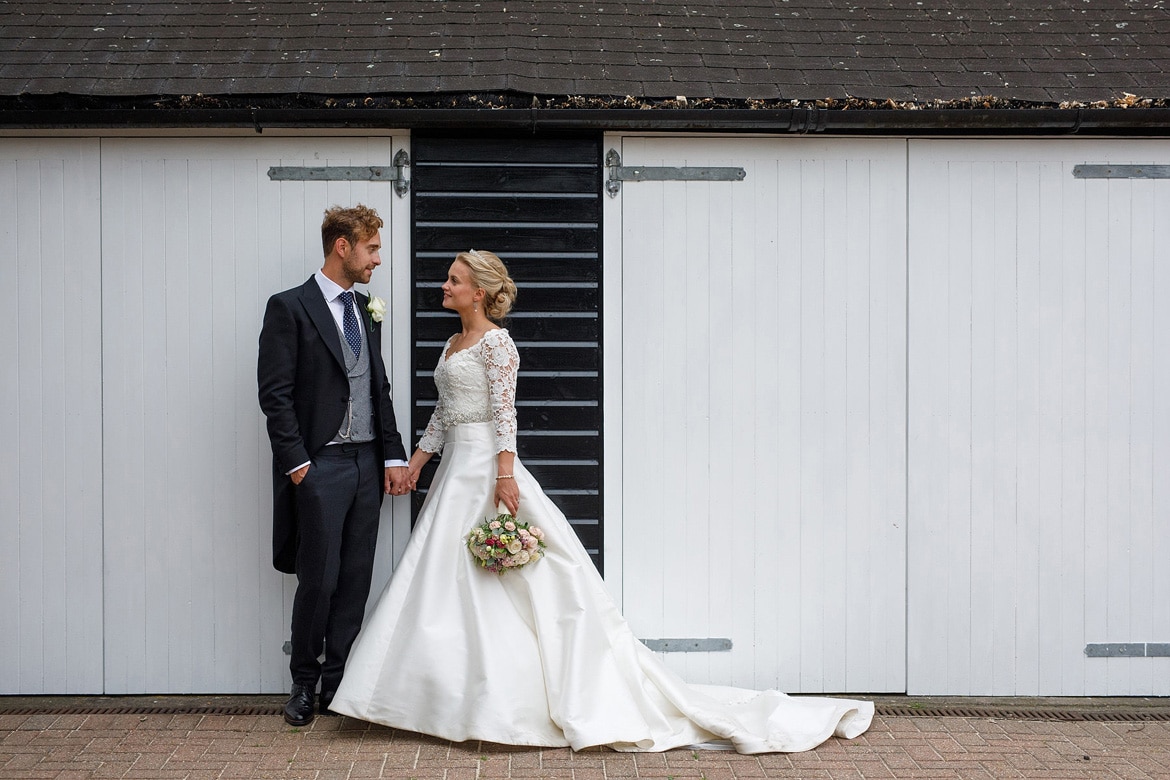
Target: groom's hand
397, 480
298, 476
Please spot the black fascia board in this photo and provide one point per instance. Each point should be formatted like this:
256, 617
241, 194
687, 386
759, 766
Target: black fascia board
808, 120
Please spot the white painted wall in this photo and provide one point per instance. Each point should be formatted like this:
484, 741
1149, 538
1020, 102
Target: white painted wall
50, 418
1039, 426
921, 384
762, 491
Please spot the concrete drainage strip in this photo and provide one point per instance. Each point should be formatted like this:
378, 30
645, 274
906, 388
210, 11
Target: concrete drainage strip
1105, 714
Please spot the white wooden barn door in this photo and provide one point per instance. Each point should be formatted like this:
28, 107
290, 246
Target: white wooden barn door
196, 238
50, 418
1039, 430
761, 331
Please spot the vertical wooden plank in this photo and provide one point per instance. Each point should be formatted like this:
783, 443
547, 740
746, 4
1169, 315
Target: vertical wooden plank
960, 382
838, 380
1069, 605
49, 349
1096, 574
1140, 522
201, 418
1051, 648
998, 571
686, 396
930, 206
1119, 506
124, 590
51, 483
258, 583
645, 417
730, 233
10, 425
754, 457
266, 241
1026, 593
669, 398
72, 304
812, 424
77, 219
886, 552
873, 379
782, 574
1159, 548
971, 385
171, 366
862, 379
160, 280
30, 444
84, 444
234, 549
683, 397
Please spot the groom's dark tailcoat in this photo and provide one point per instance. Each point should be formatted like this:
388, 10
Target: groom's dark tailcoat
304, 392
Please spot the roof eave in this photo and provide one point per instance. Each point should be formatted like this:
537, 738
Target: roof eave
923, 121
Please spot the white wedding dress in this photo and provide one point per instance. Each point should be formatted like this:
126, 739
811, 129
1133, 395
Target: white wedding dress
536, 656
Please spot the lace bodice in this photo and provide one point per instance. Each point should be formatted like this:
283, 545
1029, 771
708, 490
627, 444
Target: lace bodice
477, 384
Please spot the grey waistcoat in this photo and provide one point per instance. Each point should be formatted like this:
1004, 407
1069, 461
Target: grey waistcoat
358, 425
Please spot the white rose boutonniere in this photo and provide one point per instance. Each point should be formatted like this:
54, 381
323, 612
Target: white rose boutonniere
377, 308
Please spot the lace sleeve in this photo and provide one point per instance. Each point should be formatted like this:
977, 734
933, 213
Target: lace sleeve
502, 362
436, 432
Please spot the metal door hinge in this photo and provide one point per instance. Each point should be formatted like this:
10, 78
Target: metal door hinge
689, 645
397, 174
1128, 650
1121, 171
619, 173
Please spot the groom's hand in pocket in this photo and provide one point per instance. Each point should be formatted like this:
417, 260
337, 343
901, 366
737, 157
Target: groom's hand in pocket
298, 476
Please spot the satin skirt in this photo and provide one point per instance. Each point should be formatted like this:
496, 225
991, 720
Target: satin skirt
541, 656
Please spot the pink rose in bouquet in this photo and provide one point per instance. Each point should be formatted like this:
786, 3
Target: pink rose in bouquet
503, 542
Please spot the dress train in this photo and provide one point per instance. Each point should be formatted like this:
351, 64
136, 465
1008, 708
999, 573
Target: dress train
541, 655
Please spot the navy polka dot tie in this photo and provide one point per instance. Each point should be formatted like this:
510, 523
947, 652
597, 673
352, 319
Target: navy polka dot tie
349, 322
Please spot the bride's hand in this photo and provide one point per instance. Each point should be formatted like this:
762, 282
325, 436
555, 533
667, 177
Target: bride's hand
508, 494
414, 468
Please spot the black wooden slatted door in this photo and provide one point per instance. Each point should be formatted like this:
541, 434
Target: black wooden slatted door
536, 202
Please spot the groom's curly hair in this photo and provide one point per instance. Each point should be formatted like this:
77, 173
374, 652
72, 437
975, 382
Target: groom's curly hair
354, 224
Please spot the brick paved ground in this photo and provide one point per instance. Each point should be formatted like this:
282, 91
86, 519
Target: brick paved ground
161, 747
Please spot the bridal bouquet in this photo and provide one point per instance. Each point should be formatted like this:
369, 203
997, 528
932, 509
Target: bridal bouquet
503, 542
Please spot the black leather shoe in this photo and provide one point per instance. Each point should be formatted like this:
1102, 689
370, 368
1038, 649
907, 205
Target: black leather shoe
298, 711
323, 703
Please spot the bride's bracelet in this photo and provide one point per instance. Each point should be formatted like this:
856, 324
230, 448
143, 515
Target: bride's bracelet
505, 476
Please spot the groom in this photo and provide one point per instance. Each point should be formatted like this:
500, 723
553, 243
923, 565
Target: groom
335, 445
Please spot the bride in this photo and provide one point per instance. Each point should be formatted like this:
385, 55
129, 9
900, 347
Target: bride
539, 655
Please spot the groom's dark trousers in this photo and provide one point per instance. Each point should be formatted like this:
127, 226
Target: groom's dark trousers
325, 528
338, 506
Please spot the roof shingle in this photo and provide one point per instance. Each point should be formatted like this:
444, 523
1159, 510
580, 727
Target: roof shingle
1047, 51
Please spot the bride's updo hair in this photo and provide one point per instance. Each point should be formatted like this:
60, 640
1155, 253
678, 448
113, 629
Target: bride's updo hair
489, 274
